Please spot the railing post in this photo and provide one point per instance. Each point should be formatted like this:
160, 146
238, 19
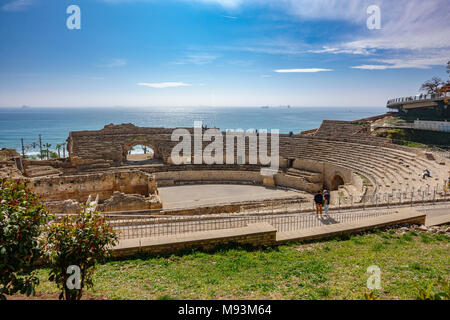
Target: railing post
339, 208
445, 190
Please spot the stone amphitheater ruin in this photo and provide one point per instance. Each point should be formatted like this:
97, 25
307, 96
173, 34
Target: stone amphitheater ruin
340, 156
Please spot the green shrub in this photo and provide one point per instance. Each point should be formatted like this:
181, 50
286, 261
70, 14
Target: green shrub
22, 219
81, 240
372, 295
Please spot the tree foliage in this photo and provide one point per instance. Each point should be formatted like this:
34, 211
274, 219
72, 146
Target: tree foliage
432, 85
81, 240
22, 220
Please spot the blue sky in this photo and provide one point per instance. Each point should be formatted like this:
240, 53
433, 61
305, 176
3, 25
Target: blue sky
219, 52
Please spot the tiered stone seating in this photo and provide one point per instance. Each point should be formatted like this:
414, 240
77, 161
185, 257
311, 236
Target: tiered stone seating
388, 169
332, 128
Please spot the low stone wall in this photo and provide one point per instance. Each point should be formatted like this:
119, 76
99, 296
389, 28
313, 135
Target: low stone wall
230, 207
258, 234
123, 202
237, 177
178, 177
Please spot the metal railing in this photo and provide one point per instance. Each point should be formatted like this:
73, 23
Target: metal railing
404, 196
144, 227
422, 97
284, 216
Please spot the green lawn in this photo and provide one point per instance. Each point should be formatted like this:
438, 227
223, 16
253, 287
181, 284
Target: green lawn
334, 269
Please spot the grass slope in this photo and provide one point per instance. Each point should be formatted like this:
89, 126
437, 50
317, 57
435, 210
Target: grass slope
333, 269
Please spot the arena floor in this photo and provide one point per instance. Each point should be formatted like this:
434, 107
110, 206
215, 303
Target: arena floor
201, 195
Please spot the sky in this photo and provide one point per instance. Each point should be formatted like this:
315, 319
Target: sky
219, 52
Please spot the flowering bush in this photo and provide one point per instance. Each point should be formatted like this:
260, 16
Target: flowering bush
22, 219
80, 240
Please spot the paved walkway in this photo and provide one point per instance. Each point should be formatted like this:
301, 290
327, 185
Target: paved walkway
437, 215
403, 215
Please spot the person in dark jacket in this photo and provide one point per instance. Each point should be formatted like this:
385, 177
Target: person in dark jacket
318, 200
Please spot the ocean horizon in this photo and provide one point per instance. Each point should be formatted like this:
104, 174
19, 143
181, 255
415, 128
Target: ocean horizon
54, 124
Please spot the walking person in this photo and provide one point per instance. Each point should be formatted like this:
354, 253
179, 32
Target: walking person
318, 200
426, 174
326, 200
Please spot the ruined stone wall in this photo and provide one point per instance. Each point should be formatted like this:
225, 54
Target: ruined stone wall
79, 187
110, 145
116, 203
90, 150
8, 154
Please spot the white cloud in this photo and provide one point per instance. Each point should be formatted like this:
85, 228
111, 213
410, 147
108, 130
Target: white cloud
17, 5
414, 34
354, 10
223, 3
327, 49
198, 59
162, 85
114, 63
371, 67
405, 63
312, 70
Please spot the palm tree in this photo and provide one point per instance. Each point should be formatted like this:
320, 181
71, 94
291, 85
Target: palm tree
58, 147
64, 149
47, 145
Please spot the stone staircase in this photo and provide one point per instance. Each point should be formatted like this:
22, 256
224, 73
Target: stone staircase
41, 171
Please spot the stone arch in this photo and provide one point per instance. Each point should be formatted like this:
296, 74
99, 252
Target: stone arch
140, 153
336, 181
136, 142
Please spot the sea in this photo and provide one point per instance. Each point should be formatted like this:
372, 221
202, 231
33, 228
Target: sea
54, 124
